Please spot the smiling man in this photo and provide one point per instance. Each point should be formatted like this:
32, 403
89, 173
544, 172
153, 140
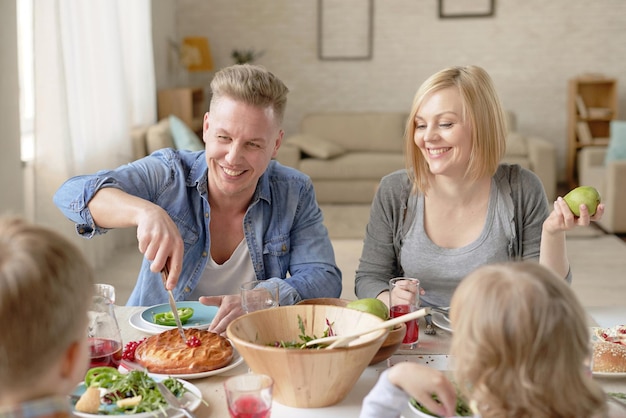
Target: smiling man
220, 217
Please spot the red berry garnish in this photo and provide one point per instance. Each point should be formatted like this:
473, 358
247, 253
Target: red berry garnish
193, 341
129, 350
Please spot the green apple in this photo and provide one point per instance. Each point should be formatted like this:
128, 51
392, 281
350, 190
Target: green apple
583, 195
370, 305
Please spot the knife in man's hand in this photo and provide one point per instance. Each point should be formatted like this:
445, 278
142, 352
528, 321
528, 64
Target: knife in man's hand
164, 274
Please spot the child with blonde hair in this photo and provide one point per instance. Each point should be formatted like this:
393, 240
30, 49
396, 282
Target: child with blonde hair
46, 286
520, 348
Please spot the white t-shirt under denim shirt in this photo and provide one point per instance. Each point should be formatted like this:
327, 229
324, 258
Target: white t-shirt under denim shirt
225, 279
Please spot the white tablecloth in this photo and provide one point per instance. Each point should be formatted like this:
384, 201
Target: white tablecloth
431, 349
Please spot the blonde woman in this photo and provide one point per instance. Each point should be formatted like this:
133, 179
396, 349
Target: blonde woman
456, 207
520, 349
45, 288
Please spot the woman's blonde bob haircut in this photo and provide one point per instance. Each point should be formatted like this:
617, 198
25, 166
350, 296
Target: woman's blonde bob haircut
483, 110
520, 344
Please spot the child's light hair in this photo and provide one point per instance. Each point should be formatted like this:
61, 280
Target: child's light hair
481, 109
520, 344
253, 85
45, 290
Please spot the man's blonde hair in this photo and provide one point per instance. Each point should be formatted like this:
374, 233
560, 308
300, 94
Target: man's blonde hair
46, 286
253, 85
521, 342
481, 109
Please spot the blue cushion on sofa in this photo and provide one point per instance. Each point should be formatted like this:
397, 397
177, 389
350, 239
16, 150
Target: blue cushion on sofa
617, 144
183, 137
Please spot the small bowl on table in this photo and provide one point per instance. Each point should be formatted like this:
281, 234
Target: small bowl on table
390, 345
325, 301
306, 378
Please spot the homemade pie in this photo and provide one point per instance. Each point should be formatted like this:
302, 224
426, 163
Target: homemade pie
609, 350
166, 353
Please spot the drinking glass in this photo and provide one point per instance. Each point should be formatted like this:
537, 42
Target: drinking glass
249, 395
259, 294
104, 337
105, 290
404, 297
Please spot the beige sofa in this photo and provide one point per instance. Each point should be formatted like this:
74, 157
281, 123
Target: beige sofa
610, 181
347, 153
147, 139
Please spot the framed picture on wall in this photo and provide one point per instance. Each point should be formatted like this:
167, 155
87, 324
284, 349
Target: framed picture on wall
345, 29
466, 8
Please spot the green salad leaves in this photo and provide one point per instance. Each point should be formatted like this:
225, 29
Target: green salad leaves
328, 332
462, 409
134, 383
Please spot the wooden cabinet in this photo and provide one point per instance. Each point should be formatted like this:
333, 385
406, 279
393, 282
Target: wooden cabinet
185, 102
591, 105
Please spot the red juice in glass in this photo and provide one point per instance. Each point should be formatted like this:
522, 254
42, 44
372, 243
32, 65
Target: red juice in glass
104, 352
249, 406
412, 327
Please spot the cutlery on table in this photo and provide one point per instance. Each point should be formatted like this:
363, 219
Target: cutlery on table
337, 341
164, 273
173, 401
442, 310
430, 328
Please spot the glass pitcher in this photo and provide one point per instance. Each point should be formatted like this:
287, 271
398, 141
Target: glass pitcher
105, 339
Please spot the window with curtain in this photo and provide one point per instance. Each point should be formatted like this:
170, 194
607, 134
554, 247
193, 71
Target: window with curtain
86, 79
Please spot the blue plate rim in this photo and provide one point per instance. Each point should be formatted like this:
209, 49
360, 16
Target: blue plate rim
190, 324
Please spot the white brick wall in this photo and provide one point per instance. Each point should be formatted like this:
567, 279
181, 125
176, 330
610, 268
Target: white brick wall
530, 47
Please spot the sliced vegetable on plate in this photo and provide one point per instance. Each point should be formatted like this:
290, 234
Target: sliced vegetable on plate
167, 318
193, 314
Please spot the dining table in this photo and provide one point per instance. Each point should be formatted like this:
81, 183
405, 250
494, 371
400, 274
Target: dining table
431, 350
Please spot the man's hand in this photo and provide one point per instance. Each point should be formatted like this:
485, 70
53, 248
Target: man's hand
160, 242
157, 235
229, 309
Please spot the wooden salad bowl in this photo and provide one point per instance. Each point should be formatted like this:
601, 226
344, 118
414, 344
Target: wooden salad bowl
306, 378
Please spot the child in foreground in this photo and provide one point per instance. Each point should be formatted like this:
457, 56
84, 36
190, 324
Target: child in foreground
45, 290
520, 347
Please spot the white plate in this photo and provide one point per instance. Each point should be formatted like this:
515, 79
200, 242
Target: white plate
419, 413
441, 321
136, 322
614, 375
234, 362
193, 400
201, 319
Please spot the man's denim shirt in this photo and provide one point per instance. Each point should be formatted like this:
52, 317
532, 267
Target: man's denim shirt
283, 225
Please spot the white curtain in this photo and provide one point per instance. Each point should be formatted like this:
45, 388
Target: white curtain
94, 81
